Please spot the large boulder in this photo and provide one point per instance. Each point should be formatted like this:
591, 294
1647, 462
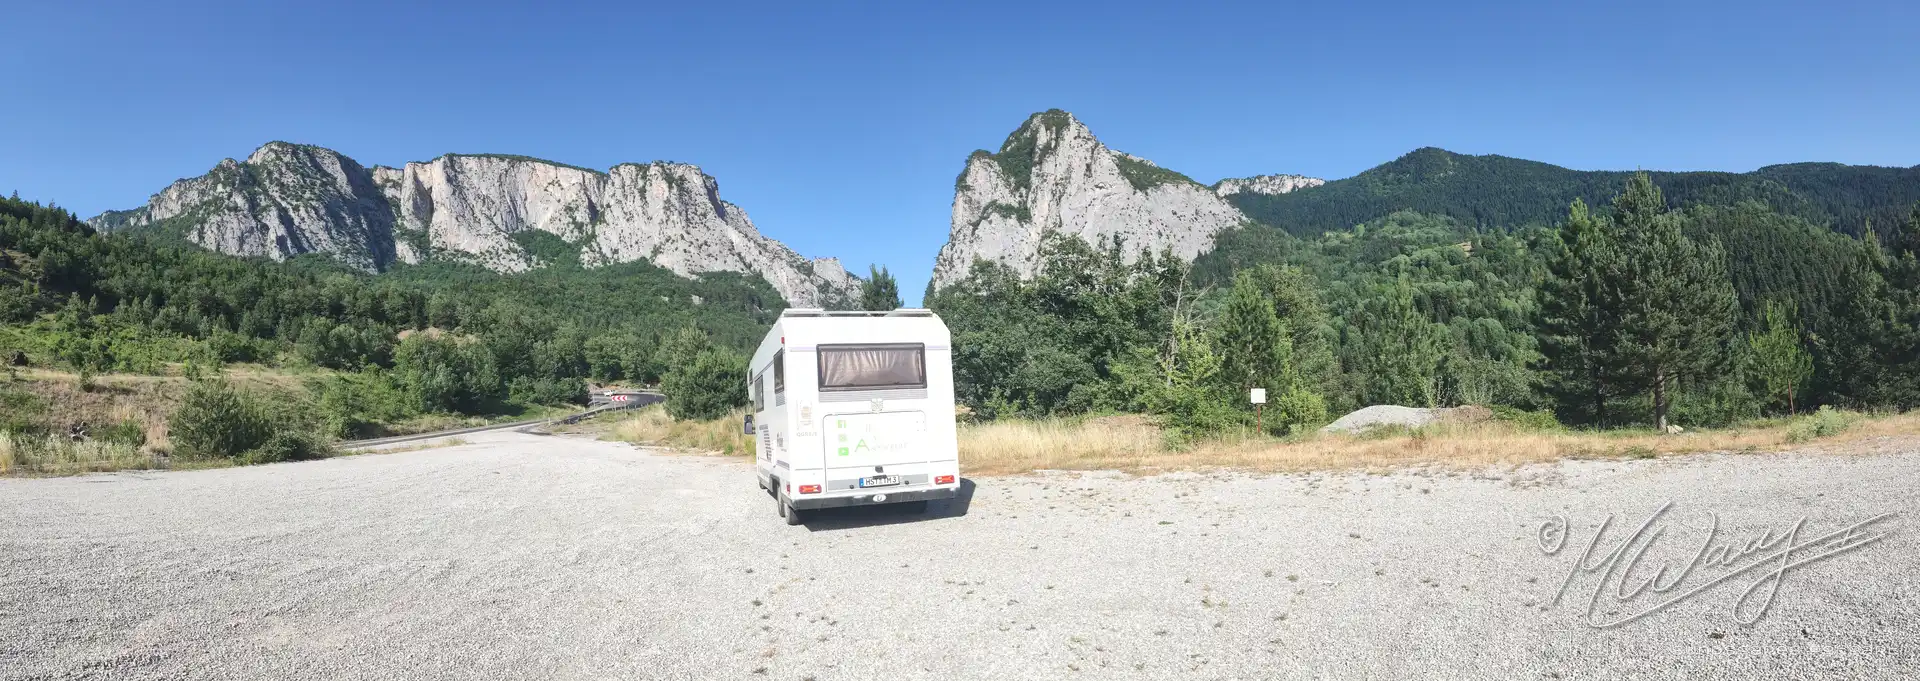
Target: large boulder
1379, 415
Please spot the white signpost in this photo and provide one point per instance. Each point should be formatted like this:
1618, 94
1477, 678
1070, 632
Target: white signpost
1259, 399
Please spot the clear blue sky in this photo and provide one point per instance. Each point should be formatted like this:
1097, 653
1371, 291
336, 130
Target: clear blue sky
840, 127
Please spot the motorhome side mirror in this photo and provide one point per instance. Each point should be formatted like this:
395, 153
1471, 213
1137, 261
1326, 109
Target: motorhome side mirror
749, 428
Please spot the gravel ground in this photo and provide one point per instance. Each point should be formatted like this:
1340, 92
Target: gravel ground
520, 557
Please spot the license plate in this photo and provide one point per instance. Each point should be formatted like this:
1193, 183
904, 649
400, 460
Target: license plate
880, 481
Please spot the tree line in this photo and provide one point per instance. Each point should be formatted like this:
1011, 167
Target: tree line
1499, 191
1629, 312
442, 337
1636, 313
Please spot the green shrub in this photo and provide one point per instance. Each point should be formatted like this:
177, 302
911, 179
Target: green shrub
217, 421
353, 406
20, 412
713, 384
1717, 404
1526, 420
288, 445
548, 390
129, 433
447, 375
1298, 410
1192, 413
1827, 421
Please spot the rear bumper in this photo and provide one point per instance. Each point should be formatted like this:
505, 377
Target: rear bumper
902, 496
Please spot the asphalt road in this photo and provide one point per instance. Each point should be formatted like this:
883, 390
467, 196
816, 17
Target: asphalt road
523, 557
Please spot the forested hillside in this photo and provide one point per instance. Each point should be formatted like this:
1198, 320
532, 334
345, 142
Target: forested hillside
442, 338
1501, 192
1644, 309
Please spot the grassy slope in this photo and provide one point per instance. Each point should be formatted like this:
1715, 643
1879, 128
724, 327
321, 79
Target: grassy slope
54, 403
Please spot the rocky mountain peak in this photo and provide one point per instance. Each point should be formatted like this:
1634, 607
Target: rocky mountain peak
507, 213
1052, 175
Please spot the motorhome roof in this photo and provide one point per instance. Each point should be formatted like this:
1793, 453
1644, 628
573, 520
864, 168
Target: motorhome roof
817, 312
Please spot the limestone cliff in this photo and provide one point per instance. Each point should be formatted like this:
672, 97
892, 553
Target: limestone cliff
508, 213
1052, 175
1265, 184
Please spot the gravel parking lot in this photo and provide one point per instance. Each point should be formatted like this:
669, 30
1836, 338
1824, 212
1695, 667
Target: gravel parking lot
522, 557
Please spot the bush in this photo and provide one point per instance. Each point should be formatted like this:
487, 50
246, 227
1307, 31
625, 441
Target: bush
1297, 410
1827, 421
129, 433
549, 391
447, 375
20, 412
1526, 420
1192, 413
713, 384
1717, 404
355, 405
217, 421
289, 445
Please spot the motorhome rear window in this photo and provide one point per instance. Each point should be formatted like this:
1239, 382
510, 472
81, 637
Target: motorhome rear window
869, 367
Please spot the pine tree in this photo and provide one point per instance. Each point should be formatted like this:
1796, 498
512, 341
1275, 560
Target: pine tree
1578, 310
1396, 355
1850, 356
879, 293
1255, 348
1903, 342
1296, 301
1779, 358
1678, 308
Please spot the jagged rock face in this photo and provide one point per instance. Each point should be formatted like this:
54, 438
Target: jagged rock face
1265, 184
504, 212
1052, 175
284, 200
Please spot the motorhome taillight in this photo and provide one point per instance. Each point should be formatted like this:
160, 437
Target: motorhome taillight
809, 489
943, 479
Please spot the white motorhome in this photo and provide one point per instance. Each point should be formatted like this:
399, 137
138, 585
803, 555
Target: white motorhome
854, 408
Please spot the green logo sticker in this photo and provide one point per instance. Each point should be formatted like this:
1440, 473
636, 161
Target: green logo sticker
862, 445
843, 451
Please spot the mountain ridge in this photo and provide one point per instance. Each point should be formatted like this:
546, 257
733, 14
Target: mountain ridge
288, 199
1053, 176
1493, 190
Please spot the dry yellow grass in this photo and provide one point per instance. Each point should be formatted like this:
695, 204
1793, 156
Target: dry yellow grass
1132, 443
22, 454
1018, 446
141, 399
652, 426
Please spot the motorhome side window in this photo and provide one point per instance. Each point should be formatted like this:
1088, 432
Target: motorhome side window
759, 393
779, 371
870, 366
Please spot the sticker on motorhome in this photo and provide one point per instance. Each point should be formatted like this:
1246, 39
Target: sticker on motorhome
806, 426
887, 433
